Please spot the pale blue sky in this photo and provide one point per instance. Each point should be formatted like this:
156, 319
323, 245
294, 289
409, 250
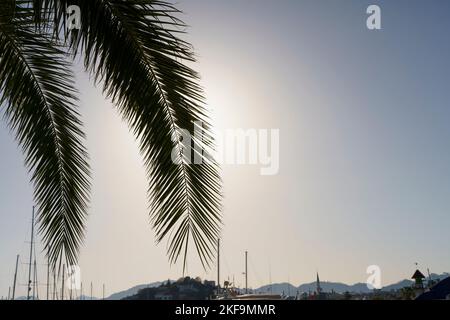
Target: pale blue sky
365, 148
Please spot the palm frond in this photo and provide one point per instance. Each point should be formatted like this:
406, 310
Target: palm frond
134, 49
39, 98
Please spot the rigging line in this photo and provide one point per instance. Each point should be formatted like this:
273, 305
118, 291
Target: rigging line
270, 276
258, 278
223, 256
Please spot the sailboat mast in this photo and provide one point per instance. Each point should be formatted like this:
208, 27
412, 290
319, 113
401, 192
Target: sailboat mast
62, 287
54, 284
218, 264
246, 273
31, 255
15, 279
289, 287
48, 278
34, 280
71, 287
35, 288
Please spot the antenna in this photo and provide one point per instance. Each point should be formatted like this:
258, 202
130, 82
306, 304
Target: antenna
31, 255
91, 290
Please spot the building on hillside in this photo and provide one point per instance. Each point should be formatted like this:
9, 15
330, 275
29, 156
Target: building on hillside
418, 286
183, 289
418, 279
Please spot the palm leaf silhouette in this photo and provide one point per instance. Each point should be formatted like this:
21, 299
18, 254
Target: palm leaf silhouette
132, 48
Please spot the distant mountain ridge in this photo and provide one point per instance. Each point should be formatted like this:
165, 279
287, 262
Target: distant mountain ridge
327, 286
